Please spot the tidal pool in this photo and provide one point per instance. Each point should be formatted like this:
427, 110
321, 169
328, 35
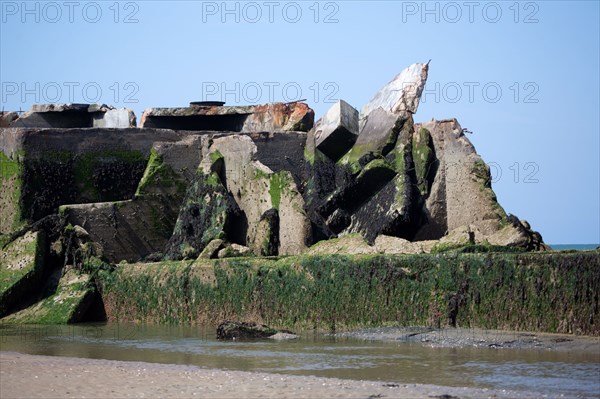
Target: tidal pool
319, 354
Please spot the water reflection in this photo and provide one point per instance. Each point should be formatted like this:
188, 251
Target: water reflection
316, 354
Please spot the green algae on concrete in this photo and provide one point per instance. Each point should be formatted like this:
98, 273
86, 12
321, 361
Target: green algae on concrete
280, 181
11, 170
423, 158
21, 269
159, 179
204, 215
551, 292
482, 174
56, 177
93, 172
74, 294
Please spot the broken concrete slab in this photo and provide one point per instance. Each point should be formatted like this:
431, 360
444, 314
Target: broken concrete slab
72, 107
350, 244
205, 215
336, 132
392, 208
294, 225
281, 151
45, 168
234, 251
257, 188
21, 270
69, 303
394, 245
267, 233
461, 192
133, 229
377, 138
212, 249
271, 117
75, 116
6, 118
114, 118
401, 94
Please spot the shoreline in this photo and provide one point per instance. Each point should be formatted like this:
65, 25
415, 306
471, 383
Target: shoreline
31, 376
480, 338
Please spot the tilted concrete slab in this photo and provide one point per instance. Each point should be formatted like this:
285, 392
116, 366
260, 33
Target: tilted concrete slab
248, 119
401, 94
336, 132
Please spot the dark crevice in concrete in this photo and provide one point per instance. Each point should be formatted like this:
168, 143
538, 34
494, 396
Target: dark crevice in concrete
220, 123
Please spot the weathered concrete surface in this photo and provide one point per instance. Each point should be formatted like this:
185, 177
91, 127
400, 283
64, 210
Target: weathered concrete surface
6, 118
267, 233
395, 245
75, 116
234, 251
337, 130
212, 249
350, 244
133, 229
252, 176
256, 189
401, 94
461, 192
455, 184
294, 225
249, 119
114, 118
376, 194
377, 137
69, 303
247, 180
45, 168
21, 269
208, 213
126, 230
281, 151
162, 212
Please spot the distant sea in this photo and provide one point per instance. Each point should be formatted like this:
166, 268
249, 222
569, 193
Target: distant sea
578, 247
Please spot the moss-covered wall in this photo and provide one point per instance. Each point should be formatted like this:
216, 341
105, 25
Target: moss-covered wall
553, 292
10, 193
55, 178
67, 303
21, 269
41, 169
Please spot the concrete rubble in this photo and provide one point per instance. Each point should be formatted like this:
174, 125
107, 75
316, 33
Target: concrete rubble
74, 116
210, 180
273, 117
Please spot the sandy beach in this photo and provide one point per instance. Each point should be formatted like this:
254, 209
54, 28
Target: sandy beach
29, 376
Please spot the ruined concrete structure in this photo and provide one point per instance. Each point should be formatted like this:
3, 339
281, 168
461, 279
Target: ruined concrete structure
211, 180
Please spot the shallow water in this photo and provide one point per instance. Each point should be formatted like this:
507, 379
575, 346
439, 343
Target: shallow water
576, 247
576, 374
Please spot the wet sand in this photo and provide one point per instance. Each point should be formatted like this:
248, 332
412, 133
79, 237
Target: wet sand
29, 376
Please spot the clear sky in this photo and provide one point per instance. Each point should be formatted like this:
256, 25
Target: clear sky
523, 76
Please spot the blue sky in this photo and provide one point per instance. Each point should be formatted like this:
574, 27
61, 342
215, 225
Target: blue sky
523, 76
